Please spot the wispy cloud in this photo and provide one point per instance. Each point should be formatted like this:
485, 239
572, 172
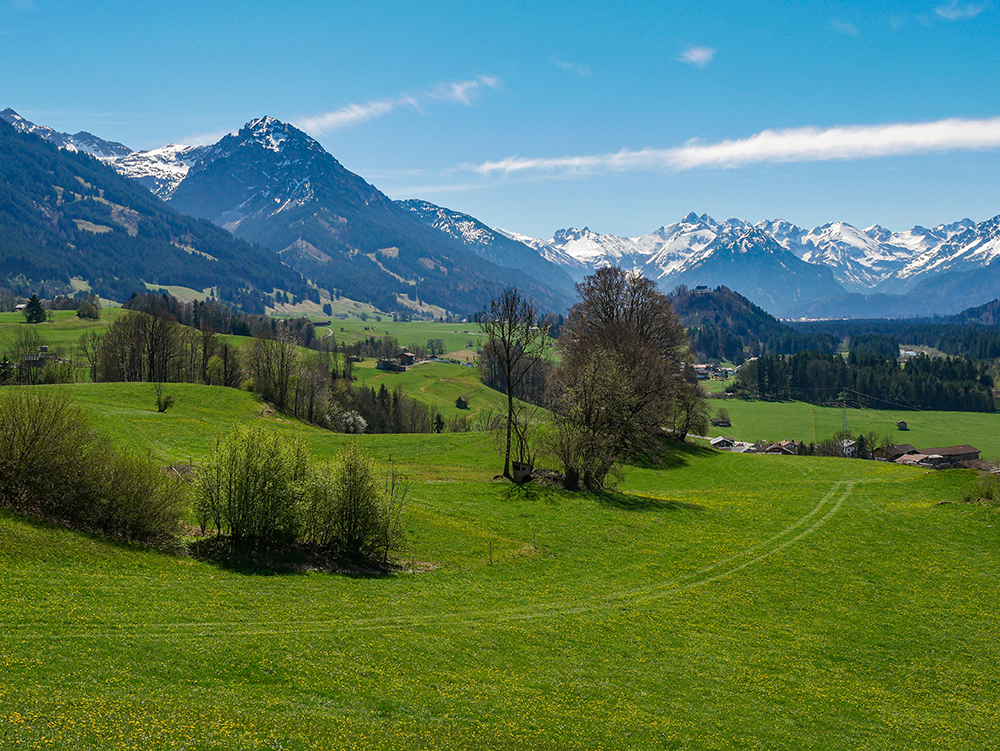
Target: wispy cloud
459, 92
807, 144
845, 28
700, 56
955, 11
580, 70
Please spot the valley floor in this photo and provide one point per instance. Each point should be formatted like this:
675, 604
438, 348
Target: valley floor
721, 601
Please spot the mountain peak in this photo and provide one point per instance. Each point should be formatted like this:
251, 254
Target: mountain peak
272, 133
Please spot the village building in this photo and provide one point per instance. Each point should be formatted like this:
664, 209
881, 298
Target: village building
941, 457
784, 448
892, 453
391, 366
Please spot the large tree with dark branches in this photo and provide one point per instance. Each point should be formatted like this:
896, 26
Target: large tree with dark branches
623, 356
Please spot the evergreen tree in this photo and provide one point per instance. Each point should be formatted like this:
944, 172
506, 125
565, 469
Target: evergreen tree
34, 312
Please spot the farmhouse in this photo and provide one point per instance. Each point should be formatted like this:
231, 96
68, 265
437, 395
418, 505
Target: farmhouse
721, 422
941, 457
722, 442
892, 453
784, 448
391, 366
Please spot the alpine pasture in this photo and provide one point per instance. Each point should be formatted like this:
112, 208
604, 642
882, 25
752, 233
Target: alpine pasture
718, 601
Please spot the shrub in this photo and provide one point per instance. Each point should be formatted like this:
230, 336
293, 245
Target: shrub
138, 500
53, 464
250, 485
354, 508
986, 492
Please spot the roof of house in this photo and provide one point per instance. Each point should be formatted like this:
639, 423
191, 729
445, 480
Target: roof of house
951, 450
901, 449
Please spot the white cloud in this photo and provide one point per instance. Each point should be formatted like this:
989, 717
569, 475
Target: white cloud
955, 10
580, 70
845, 28
459, 92
700, 56
807, 144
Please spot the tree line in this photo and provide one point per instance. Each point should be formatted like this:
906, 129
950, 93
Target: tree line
966, 338
875, 381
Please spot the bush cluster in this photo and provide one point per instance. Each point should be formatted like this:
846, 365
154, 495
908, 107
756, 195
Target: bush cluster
54, 465
256, 488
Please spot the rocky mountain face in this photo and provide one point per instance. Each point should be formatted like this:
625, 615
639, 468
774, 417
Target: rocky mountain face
272, 184
492, 245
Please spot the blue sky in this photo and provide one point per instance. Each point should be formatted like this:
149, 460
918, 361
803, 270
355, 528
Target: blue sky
540, 116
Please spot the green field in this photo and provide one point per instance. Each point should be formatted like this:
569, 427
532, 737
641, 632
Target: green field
64, 330
456, 336
721, 601
437, 385
774, 421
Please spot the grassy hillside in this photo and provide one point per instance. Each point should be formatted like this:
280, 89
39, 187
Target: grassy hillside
800, 421
64, 330
437, 385
723, 601
456, 336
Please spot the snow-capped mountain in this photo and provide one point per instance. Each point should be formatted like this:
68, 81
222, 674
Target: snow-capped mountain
492, 245
973, 247
751, 260
272, 184
256, 181
82, 141
161, 170
871, 260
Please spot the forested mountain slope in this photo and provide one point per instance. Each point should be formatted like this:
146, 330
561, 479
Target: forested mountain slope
63, 214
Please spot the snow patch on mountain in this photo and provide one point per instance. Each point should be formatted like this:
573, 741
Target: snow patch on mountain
161, 170
82, 141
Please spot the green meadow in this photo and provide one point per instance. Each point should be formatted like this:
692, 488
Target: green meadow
64, 330
718, 601
456, 336
774, 421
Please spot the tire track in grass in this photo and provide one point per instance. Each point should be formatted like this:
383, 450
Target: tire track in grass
822, 512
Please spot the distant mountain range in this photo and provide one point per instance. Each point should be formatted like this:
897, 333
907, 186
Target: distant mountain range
271, 184
872, 272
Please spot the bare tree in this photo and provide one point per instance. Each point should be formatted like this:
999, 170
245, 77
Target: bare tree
517, 339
